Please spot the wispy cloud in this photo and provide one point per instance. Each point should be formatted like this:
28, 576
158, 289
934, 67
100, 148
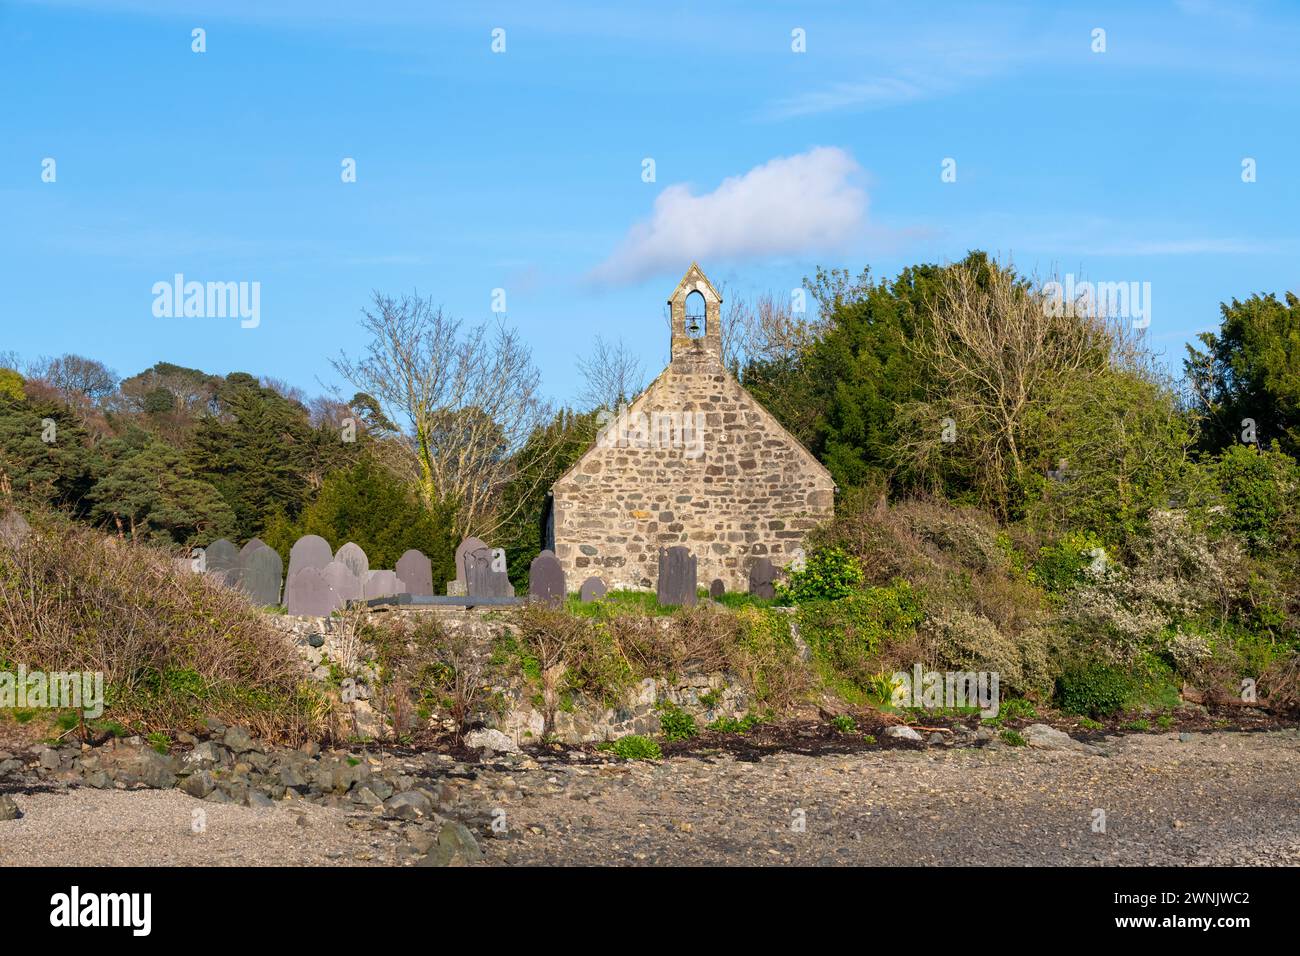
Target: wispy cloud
874, 93
790, 205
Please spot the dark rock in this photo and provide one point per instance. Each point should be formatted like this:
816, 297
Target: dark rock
239, 740
456, 847
9, 808
199, 784
411, 805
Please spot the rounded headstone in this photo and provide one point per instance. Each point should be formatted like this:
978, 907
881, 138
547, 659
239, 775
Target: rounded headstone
717, 589
252, 545
308, 594
262, 571
309, 551
546, 579
593, 589
345, 584
220, 556
416, 572
468, 546
762, 579
355, 558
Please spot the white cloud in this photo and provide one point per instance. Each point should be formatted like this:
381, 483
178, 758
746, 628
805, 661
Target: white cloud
787, 206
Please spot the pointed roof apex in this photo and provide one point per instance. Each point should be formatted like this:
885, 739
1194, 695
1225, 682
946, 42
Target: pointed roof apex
694, 281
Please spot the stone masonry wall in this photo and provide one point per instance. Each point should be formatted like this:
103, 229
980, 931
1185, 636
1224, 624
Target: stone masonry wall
752, 491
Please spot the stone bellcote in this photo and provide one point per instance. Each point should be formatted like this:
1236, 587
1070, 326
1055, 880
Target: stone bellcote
696, 319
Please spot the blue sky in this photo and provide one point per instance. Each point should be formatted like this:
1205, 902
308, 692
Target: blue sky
522, 170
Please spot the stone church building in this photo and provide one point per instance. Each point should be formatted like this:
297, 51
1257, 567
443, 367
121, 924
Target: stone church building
695, 460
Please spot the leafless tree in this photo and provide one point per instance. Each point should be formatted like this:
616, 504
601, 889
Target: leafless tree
995, 351
465, 400
82, 381
611, 375
765, 329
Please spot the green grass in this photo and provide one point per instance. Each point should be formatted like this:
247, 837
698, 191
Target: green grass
645, 602
1013, 738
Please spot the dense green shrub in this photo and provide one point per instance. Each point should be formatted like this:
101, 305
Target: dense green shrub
1062, 566
830, 573
1094, 690
845, 635
675, 723
634, 747
1257, 489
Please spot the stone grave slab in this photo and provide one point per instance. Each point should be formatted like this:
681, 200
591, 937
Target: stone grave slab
416, 572
762, 579
677, 576
262, 572
546, 579
355, 558
308, 594
309, 551
343, 582
593, 589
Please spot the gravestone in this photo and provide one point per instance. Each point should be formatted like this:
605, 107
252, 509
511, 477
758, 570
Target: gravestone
260, 580
481, 578
416, 572
343, 582
546, 579
468, 546
252, 545
593, 589
308, 594
762, 579
221, 557
309, 551
798, 560
355, 558
381, 584
677, 576
14, 529
717, 589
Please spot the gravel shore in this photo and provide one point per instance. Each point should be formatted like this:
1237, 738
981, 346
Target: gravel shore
1214, 798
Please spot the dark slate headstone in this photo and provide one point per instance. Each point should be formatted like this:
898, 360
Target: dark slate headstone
14, 529
717, 589
308, 594
262, 569
481, 578
593, 589
381, 584
343, 582
546, 579
677, 576
416, 572
220, 556
355, 558
468, 546
252, 545
309, 551
762, 579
